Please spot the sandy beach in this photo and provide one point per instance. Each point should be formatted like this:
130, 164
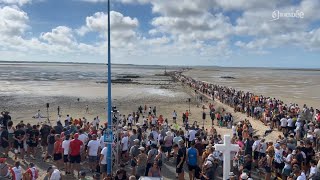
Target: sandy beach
152, 90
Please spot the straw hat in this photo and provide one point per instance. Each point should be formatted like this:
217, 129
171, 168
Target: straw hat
169, 133
244, 176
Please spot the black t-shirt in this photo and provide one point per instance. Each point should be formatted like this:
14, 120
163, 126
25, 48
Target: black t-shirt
19, 134
34, 134
4, 134
181, 153
309, 153
45, 131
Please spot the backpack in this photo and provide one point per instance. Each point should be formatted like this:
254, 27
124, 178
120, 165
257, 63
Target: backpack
51, 139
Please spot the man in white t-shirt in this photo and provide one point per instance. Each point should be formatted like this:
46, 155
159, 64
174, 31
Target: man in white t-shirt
125, 146
66, 149
95, 122
54, 173
103, 162
130, 121
284, 123
84, 138
290, 124
92, 152
192, 135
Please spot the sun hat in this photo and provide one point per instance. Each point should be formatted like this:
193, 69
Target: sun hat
169, 133
244, 176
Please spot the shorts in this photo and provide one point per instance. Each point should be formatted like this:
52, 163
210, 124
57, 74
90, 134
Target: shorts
255, 155
75, 159
65, 158
168, 149
174, 118
32, 144
179, 170
286, 172
103, 168
262, 155
57, 157
17, 145
279, 165
268, 169
4, 145
93, 159
191, 167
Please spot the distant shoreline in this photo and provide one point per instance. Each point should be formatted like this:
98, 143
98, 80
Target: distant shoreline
164, 66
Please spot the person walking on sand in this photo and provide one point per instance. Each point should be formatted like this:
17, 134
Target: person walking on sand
87, 109
174, 116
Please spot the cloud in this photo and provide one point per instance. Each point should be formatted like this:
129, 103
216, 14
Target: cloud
124, 28
13, 21
16, 2
60, 35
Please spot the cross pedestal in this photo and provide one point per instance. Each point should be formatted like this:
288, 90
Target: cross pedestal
226, 148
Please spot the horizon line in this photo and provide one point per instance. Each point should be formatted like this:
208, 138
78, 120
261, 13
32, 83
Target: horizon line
185, 66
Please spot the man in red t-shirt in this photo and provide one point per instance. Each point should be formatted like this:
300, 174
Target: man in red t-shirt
75, 157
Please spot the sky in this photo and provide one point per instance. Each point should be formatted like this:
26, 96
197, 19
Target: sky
240, 33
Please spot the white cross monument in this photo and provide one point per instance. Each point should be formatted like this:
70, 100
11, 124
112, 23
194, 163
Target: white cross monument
226, 148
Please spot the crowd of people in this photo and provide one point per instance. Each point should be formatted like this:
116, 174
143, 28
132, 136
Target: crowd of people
148, 141
295, 154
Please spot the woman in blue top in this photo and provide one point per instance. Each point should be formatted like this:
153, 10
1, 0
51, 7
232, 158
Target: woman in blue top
192, 160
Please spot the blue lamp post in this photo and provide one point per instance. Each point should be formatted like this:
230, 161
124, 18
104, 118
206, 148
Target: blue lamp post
109, 109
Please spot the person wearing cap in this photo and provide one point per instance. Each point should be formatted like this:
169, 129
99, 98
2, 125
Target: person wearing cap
134, 152
124, 146
75, 153
141, 159
4, 169
4, 140
94, 147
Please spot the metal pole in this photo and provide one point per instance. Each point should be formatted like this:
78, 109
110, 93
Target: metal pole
109, 109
